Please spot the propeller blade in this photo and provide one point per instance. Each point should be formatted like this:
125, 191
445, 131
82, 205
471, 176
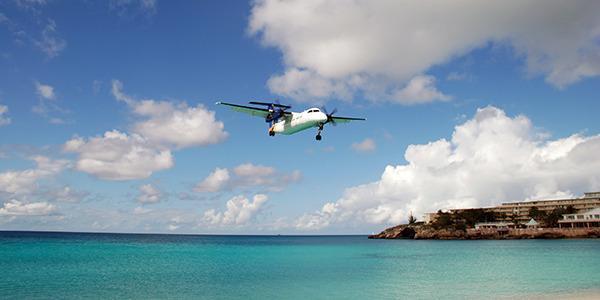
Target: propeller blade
329, 115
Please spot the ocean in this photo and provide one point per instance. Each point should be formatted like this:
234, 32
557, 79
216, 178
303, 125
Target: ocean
37, 265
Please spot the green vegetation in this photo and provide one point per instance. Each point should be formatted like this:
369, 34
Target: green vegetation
411, 219
550, 219
536, 213
463, 219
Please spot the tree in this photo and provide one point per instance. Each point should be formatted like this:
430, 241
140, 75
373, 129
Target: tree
570, 210
535, 213
514, 218
552, 218
411, 219
443, 220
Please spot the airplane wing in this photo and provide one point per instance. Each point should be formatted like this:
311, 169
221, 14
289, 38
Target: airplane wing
254, 111
346, 119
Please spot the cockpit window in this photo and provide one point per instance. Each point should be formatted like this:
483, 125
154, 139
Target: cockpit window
313, 110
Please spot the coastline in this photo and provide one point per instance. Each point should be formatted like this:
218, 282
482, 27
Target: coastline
424, 232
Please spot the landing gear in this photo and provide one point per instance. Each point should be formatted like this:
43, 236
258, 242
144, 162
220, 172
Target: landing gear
271, 133
318, 137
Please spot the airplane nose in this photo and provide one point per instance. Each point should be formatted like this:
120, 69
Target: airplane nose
322, 117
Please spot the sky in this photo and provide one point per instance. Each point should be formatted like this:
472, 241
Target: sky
108, 121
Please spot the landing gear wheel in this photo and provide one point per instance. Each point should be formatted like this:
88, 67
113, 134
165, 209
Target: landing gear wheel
271, 133
318, 137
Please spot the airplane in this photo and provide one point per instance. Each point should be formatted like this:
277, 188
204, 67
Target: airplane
285, 122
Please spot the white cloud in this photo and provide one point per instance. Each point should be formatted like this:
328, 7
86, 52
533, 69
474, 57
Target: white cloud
182, 126
18, 208
4, 120
490, 159
308, 86
45, 91
118, 156
149, 194
248, 169
173, 125
50, 42
20, 182
215, 181
46, 106
141, 210
239, 211
420, 89
66, 194
367, 145
336, 49
165, 126
247, 175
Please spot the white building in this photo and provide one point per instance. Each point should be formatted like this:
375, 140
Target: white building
590, 218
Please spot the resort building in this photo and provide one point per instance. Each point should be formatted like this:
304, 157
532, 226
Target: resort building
494, 225
519, 211
587, 219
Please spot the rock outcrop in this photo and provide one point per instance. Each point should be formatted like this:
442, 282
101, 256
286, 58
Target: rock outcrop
424, 232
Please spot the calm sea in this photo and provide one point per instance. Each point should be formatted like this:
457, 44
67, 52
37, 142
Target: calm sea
85, 265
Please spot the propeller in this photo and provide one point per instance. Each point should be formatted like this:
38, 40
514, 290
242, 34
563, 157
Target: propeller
330, 118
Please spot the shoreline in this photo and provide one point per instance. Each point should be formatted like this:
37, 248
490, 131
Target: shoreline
425, 232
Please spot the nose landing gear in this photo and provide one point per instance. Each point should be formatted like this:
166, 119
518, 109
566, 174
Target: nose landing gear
318, 137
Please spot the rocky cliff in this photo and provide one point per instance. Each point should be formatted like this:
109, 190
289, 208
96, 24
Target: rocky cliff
427, 232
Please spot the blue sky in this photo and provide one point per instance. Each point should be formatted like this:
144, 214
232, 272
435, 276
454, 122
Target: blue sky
524, 93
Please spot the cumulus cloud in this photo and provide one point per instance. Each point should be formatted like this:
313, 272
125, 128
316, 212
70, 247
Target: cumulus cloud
45, 91
149, 194
247, 175
18, 208
491, 158
66, 194
20, 182
214, 182
336, 49
248, 169
4, 120
367, 145
239, 211
173, 125
119, 156
420, 89
163, 126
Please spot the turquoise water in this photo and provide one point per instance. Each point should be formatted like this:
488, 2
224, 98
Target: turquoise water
70, 265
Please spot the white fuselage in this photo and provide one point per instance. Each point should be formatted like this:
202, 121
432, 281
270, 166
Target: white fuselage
312, 117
